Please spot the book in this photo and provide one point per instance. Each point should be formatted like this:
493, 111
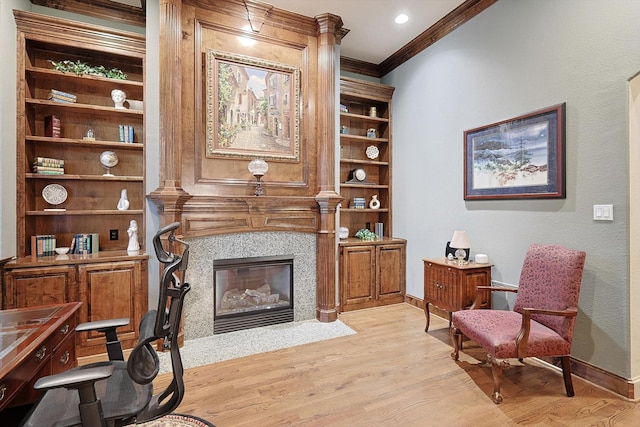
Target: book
62, 101
60, 98
85, 243
121, 132
62, 94
38, 168
52, 126
43, 245
47, 161
130, 139
94, 247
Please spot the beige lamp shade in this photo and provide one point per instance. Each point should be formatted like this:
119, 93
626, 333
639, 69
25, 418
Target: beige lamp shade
460, 240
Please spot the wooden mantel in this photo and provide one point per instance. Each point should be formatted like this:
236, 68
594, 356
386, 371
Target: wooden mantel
212, 196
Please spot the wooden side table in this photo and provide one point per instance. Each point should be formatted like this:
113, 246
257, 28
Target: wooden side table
452, 287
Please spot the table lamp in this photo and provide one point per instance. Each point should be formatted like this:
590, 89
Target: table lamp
460, 241
258, 168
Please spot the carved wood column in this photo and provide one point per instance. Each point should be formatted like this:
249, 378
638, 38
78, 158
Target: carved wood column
169, 196
329, 29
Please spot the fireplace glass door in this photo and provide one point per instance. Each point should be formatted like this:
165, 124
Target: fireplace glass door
252, 292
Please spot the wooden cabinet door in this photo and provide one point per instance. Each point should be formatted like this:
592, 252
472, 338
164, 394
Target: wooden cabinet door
357, 276
110, 290
441, 287
473, 279
30, 287
390, 272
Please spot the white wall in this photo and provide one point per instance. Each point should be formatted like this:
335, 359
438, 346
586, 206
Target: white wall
8, 127
513, 58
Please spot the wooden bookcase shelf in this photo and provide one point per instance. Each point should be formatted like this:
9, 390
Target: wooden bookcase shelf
358, 97
371, 272
113, 282
92, 198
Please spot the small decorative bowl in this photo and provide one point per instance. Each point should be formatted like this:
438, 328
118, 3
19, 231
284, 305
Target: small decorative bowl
62, 250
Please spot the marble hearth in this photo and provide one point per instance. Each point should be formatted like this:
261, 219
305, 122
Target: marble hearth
198, 308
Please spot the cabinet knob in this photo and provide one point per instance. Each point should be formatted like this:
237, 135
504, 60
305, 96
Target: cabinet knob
41, 353
3, 389
65, 329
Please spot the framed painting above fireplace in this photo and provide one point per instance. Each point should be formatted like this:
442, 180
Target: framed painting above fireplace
252, 107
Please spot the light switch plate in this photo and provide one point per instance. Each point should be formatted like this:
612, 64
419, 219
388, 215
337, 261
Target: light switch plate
603, 212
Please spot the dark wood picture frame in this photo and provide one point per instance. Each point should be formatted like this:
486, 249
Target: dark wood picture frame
518, 158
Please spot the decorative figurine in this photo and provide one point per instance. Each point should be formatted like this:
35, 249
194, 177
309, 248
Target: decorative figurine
118, 97
134, 246
89, 135
123, 203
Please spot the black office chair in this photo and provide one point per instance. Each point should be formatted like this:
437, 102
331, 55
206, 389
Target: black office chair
115, 392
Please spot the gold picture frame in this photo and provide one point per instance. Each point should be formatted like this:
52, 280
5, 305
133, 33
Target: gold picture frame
252, 108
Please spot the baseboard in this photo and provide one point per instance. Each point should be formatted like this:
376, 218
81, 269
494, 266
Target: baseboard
605, 379
629, 389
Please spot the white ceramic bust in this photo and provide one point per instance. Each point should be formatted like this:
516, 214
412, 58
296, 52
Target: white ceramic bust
118, 97
123, 203
134, 246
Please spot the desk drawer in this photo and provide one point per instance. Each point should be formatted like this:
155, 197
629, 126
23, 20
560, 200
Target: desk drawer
64, 357
63, 332
20, 381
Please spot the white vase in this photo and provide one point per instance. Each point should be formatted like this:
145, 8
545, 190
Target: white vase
123, 203
374, 203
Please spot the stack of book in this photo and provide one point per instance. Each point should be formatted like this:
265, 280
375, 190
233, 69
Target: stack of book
358, 203
85, 243
126, 133
52, 126
60, 96
43, 245
48, 166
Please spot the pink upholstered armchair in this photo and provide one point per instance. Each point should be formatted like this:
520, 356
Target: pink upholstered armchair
541, 323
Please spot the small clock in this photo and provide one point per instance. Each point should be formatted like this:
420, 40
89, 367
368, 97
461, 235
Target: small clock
357, 175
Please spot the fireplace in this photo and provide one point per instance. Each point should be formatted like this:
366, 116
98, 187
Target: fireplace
252, 292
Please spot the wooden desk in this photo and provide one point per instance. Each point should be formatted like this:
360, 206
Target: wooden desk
34, 342
452, 287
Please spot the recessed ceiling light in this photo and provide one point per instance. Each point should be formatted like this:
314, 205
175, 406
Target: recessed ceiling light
401, 19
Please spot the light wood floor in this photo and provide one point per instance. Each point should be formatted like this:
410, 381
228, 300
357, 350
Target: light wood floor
390, 374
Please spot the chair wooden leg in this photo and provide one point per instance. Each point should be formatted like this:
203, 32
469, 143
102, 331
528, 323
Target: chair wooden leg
497, 366
566, 373
456, 339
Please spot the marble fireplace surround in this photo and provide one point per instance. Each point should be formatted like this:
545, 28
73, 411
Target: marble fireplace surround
198, 308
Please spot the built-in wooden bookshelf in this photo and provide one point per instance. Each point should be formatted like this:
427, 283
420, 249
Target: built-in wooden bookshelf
92, 198
372, 273
112, 282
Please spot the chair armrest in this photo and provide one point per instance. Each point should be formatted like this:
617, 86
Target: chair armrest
74, 378
108, 328
522, 339
102, 325
481, 290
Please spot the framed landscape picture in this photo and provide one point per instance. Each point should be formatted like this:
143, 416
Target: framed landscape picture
519, 158
252, 108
